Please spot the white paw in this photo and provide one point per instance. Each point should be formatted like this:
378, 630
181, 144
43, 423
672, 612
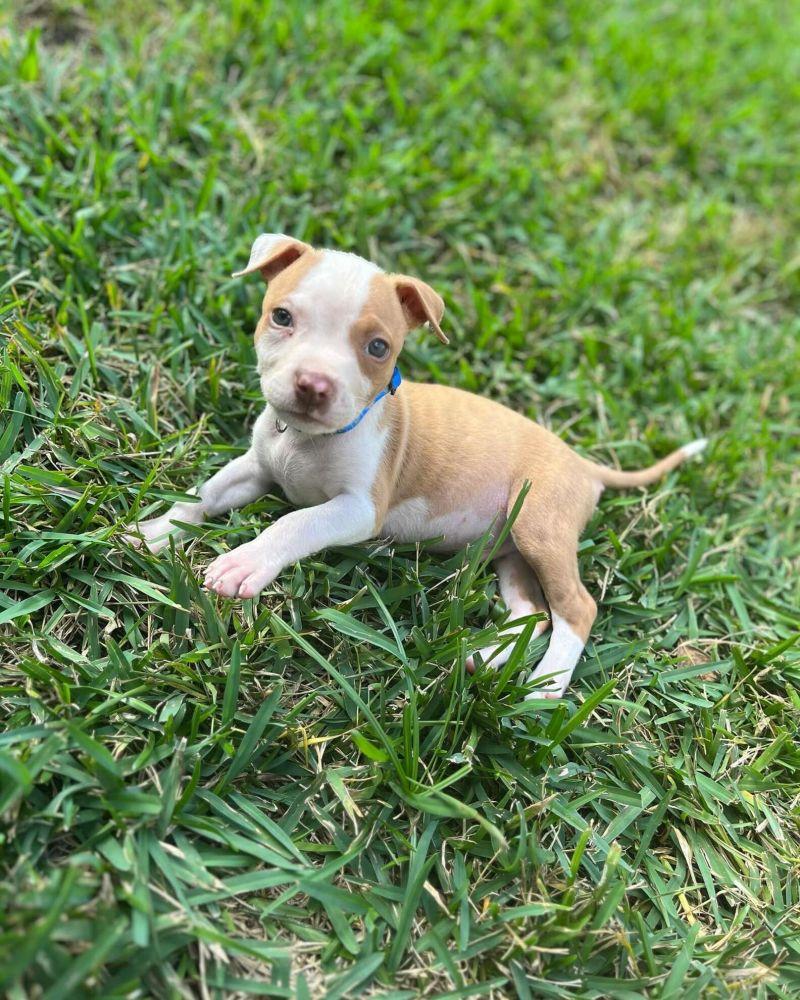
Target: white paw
242, 572
154, 533
552, 683
491, 656
557, 665
551, 689
496, 656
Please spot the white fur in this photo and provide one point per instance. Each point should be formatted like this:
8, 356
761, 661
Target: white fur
407, 521
311, 469
460, 527
695, 447
559, 662
330, 475
411, 521
239, 482
509, 567
247, 569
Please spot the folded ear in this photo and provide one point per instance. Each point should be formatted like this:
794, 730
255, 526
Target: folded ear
272, 253
420, 304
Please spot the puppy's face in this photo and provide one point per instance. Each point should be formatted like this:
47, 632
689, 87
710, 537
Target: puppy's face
331, 328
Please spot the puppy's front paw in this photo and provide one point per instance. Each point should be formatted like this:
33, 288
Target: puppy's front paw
242, 572
154, 534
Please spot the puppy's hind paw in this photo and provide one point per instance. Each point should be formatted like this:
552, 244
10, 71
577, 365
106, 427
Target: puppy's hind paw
550, 687
495, 656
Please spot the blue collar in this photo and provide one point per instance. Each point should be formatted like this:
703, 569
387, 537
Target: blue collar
390, 389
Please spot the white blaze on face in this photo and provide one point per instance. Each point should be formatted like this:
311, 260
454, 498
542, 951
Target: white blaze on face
325, 304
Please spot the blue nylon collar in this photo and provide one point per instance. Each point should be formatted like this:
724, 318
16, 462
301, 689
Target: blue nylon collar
390, 389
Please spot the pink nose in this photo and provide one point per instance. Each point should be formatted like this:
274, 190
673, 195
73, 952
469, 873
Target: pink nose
313, 389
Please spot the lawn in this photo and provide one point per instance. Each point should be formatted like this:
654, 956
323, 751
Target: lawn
305, 795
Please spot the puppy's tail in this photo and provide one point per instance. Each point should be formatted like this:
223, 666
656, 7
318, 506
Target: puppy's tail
643, 477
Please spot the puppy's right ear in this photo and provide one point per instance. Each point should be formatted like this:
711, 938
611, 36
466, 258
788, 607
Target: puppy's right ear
272, 253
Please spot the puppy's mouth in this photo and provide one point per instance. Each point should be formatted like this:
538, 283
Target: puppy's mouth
295, 413
304, 420
290, 411
309, 419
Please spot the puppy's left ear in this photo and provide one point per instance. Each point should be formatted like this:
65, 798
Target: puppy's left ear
420, 304
272, 253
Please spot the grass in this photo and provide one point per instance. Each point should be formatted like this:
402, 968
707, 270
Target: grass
305, 795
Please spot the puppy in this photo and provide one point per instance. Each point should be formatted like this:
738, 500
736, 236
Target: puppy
363, 455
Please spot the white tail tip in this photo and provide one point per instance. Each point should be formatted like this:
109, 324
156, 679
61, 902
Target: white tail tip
694, 447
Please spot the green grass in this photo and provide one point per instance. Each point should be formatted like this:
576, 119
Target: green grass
305, 795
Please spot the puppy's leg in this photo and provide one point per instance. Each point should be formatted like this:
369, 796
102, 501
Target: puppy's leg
548, 539
523, 596
246, 570
236, 484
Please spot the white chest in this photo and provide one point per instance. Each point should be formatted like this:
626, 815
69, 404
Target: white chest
311, 470
300, 475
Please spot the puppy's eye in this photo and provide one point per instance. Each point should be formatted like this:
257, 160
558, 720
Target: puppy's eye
281, 317
377, 348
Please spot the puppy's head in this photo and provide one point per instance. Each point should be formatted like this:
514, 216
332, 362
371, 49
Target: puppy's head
331, 327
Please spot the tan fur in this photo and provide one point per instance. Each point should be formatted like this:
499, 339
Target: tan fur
459, 446
381, 316
271, 255
420, 303
618, 479
282, 283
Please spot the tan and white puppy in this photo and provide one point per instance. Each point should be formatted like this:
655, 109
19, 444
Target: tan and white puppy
430, 462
